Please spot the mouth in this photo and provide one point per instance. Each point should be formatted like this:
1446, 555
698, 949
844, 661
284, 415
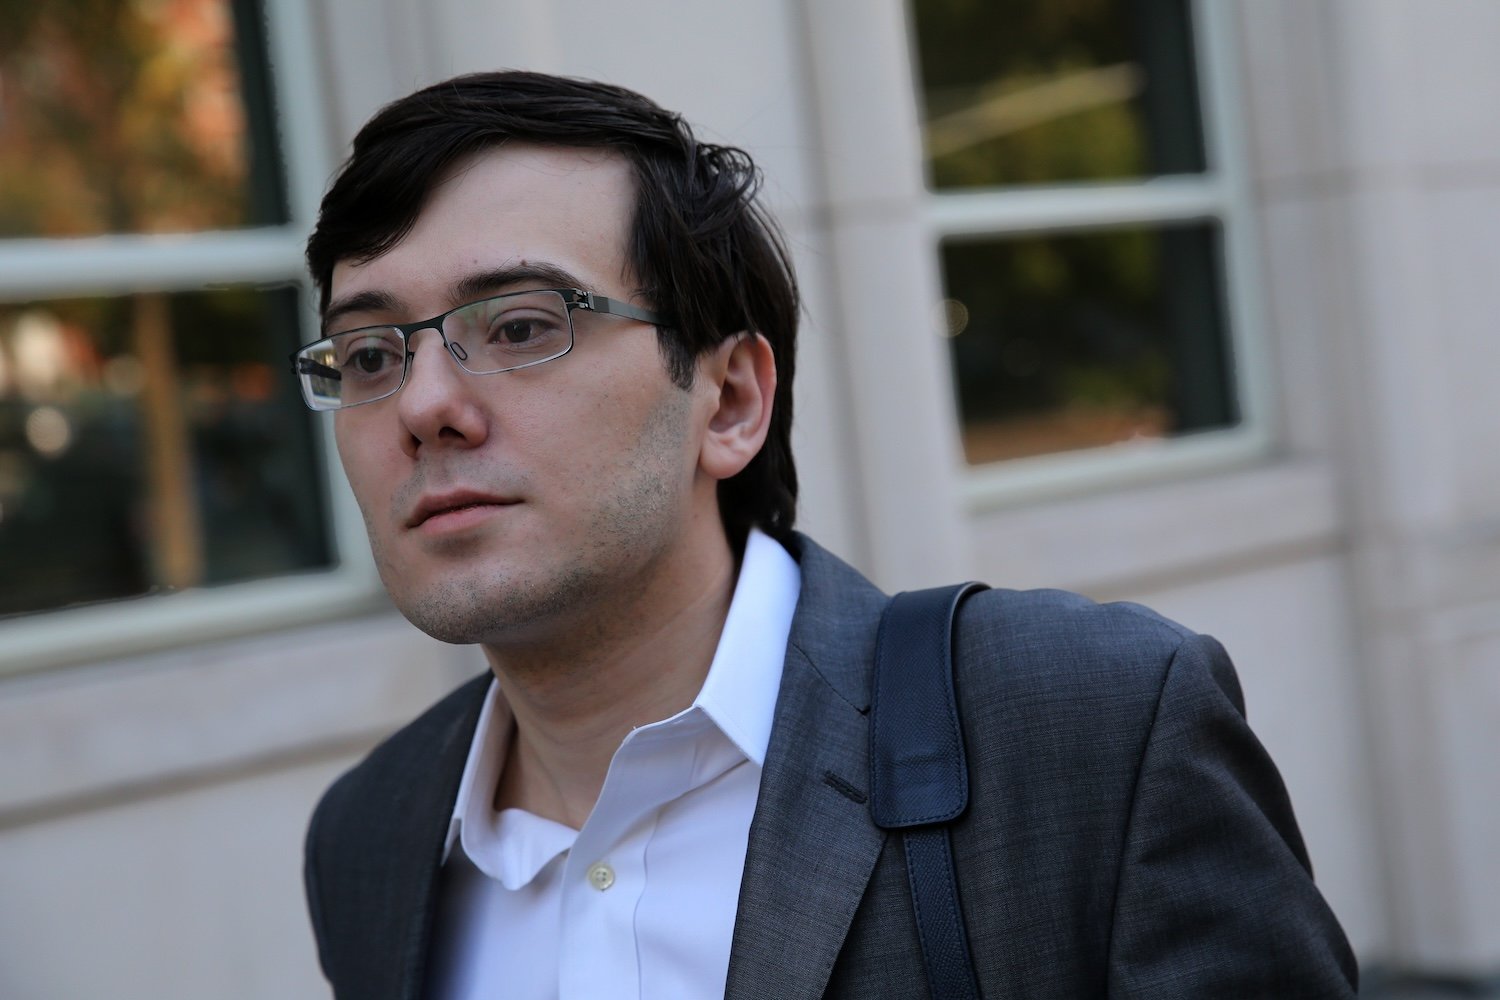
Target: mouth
454, 507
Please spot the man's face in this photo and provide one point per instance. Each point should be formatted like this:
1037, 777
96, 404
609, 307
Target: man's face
504, 507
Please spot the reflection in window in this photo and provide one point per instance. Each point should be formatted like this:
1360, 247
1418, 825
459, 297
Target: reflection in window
146, 116
1098, 334
1077, 341
150, 442
1050, 91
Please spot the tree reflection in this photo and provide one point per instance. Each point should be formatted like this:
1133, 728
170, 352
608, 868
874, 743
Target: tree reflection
120, 117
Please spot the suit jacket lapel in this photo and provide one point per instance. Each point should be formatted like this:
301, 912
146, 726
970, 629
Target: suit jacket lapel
812, 843
420, 797
427, 854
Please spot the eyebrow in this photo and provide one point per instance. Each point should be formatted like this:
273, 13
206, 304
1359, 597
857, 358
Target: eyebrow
477, 285
370, 301
495, 280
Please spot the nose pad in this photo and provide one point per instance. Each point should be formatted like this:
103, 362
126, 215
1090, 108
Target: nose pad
458, 352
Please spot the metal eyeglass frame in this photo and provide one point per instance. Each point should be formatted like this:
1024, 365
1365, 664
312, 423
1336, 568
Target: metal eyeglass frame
573, 298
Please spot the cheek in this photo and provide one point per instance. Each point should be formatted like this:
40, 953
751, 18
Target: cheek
357, 456
346, 441
652, 419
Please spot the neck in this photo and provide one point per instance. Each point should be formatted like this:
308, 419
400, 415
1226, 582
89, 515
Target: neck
638, 662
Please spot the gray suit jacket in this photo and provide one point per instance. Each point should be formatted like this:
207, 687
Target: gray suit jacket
1127, 836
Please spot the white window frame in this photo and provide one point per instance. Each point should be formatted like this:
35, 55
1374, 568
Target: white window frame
1221, 193
119, 264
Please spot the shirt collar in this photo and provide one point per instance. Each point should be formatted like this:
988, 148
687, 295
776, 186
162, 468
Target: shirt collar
487, 750
738, 695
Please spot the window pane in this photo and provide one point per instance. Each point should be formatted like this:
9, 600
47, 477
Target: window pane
1048, 91
1075, 341
149, 116
149, 442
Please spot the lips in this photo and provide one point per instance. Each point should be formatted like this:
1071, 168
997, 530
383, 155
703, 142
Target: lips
435, 505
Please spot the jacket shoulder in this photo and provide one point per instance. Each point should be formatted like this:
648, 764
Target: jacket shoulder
1059, 643
1069, 685
403, 760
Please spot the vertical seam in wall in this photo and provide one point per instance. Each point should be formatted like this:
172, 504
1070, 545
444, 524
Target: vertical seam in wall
821, 226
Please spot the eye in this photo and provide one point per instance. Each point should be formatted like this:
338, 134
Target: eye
370, 356
515, 330
529, 328
369, 360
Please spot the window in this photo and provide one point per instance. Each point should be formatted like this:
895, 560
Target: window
1088, 234
150, 269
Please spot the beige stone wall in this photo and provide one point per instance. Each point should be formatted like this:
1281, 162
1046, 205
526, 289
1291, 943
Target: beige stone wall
151, 809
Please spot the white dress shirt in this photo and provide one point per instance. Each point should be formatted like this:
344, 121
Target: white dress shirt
641, 901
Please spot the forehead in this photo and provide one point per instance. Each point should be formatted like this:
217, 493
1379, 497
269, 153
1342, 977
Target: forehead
517, 204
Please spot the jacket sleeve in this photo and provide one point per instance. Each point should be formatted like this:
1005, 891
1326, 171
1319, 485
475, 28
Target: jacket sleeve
312, 883
1215, 896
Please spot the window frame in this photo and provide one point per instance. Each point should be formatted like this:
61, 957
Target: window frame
1220, 194
273, 255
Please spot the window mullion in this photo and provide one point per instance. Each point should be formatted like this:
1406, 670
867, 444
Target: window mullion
112, 265
986, 213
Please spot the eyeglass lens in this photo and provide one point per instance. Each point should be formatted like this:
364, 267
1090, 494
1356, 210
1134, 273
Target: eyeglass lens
492, 335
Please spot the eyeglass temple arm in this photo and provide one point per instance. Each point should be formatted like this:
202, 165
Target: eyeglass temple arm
614, 307
307, 366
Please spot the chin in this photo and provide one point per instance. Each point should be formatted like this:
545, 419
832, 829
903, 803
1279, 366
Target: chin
497, 608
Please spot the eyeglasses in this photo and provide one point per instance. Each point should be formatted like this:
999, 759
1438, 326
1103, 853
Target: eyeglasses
499, 334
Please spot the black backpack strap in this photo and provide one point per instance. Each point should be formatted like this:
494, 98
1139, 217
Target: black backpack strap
919, 779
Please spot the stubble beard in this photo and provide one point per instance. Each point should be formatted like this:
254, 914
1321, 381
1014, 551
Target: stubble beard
626, 538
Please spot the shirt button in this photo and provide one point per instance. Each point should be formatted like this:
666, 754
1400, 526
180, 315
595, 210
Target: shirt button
601, 876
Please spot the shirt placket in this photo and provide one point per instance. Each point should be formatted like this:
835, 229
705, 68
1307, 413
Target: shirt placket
604, 876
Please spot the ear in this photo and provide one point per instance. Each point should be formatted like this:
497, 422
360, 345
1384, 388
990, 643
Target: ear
740, 375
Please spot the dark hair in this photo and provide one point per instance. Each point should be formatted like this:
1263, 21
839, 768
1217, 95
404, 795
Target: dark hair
702, 248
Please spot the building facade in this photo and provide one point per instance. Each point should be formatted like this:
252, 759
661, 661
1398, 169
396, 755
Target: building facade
1188, 303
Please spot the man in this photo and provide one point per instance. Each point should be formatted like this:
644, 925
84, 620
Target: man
582, 463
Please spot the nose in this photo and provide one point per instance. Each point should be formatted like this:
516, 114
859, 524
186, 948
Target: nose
439, 405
